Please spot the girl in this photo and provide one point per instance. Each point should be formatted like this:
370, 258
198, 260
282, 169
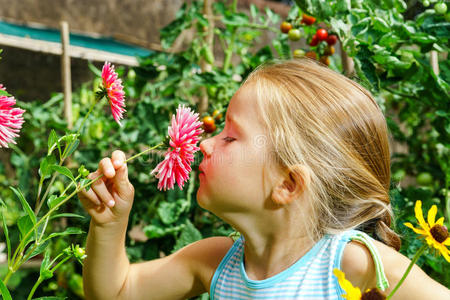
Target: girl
302, 162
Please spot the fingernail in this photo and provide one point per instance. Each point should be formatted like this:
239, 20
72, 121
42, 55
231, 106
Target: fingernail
118, 163
111, 203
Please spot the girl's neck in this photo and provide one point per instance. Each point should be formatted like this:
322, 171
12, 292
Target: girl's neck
273, 245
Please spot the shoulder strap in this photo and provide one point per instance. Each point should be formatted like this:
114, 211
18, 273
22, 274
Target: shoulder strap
382, 282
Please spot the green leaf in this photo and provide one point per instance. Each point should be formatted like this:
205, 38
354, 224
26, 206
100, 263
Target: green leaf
53, 142
54, 200
73, 146
5, 230
25, 225
50, 298
94, 69
66, 215
189, 235
69, 230
45, 262
64, 171
45, 168
25, 204
38, 250
5, 293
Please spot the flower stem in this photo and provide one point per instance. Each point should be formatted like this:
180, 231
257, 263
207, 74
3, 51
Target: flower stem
97, 99
143, 152
38, 282
411, 264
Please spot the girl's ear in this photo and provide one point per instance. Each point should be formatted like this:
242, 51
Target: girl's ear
295, 181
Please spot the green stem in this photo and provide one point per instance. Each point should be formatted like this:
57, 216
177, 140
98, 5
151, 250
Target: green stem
229, 51
64, 192
143, 152
411, 264
38, 208
59, 264
88, 113
38, 282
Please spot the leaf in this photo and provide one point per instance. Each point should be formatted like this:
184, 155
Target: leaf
53, 142
25, 225
50, 298
66, 215
94, 69
25, 204
38, 250
5, 293
73, 146
45, 262
189, 235
70, 230
4, 93
6, 232
54, 200
45, 168
64, 171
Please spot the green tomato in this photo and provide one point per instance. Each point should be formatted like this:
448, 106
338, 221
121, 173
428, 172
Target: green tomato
399, 175
294, 34
426, 3
96, 130
299, 53
424, 179
131, 74
75, 111
440, 8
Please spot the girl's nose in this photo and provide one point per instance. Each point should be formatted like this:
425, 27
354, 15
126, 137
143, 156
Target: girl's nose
206, 147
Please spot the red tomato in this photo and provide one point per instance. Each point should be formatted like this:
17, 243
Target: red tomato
321, 34
311, 54
332, 39
314, 40
308, 20
285, 27
325, 60
208, 124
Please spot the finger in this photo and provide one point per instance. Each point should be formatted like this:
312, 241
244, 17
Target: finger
90, 196
121, 182
102, 192
118, 158
106, 167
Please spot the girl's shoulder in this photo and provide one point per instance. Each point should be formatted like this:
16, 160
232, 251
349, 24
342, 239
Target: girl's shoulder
358, 265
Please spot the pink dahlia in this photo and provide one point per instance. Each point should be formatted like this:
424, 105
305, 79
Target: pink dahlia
113, 90
11, 119
184, 134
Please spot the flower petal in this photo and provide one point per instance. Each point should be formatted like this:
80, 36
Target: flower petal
432, 215
446, 242
440, 221
416, 230
419, 215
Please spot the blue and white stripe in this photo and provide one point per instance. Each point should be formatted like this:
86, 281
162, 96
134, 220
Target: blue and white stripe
311, 277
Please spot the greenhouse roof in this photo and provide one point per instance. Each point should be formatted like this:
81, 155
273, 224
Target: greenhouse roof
48, 40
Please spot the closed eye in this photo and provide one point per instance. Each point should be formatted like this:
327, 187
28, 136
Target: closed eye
228, 139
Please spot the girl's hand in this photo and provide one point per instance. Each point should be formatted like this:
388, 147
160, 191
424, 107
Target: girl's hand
110, 198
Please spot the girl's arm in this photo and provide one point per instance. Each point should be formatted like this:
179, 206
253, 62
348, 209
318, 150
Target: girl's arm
107, 272
358, 266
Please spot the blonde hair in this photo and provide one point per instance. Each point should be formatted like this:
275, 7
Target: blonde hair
323, 120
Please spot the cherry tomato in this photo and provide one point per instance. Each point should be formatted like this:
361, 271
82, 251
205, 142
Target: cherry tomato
325, 60
308, 20
321, 34
217, 115
440, 8
332, 39
294, 34
285, 27
329, 50
208, 124
314, 41
311, 54
299, 53
426, 3
424, 179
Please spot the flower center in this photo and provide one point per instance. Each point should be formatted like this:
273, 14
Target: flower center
373, 294
439, 233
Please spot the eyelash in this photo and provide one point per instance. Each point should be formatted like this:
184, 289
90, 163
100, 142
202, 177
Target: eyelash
228, 139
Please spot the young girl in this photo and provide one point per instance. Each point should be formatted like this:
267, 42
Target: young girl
302, 163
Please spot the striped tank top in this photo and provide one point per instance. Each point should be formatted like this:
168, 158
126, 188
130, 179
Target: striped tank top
311, 277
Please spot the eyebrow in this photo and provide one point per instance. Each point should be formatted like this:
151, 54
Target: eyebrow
234, 122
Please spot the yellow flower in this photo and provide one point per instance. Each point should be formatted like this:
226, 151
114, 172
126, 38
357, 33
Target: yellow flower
435, 233
354, 293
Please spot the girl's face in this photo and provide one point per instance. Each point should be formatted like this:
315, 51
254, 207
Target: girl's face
235, 164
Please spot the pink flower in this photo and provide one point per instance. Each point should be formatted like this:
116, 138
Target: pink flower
11, 119
184, 135
114, 91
